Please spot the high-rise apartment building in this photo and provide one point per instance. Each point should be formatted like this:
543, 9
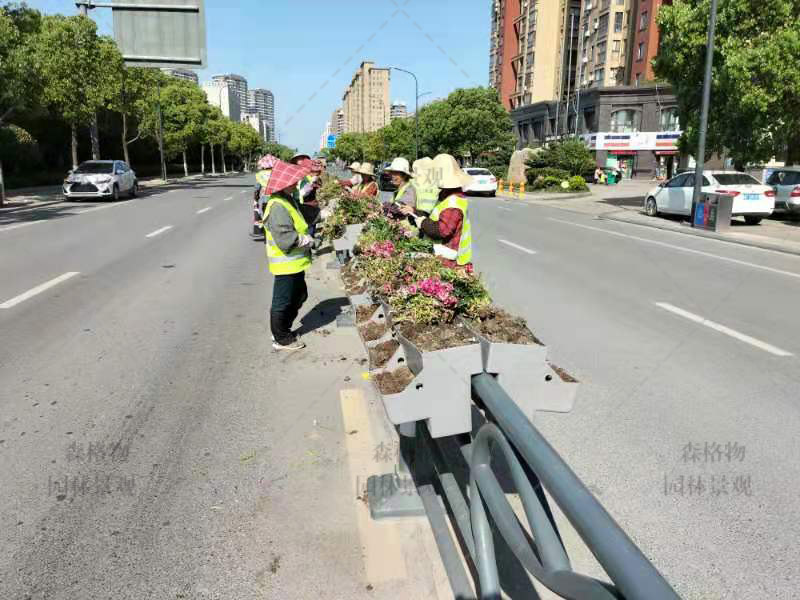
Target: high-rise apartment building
237, 83
186, 74
399, 110
258, 123
263, 102
645, 40
605, 40
337, 122
533, 49
366, 100
220, 93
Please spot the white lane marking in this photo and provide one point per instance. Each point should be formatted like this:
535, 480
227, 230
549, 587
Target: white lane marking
203, 210
517, 246
228, 198
103, 207
689, 250
722, 329
158, 231
38, 290
243, 192
504, 208
19, 225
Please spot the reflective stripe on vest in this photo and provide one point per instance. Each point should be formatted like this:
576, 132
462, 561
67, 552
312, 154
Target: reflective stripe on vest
262, 177
427, 196
297, 259
465, 243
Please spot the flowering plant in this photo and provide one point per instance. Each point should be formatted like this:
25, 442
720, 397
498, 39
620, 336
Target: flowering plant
428, 301
380, 250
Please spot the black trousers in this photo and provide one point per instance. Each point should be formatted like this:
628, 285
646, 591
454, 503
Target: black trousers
289, 293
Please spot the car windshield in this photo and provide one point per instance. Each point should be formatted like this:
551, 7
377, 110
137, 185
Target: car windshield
478, 172
735, 179
94, 168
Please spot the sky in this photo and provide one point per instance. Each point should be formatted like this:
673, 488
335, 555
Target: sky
306, 52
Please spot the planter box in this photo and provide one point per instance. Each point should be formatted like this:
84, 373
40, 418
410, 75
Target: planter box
347, 242
527, 377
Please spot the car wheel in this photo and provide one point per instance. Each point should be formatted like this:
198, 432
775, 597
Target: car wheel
135, 189
651, 207
493, 194
115, 193
752, 220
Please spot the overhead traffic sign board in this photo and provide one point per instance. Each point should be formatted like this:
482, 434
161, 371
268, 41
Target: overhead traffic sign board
331, 141
160, 33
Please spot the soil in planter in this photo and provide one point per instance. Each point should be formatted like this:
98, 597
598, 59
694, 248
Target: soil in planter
436, 337
372, 331
395, 381
380, 354
352, 281
500, 327
365, 311
566, 377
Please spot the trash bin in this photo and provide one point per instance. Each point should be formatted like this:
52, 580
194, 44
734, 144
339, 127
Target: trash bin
611, 178
712, 212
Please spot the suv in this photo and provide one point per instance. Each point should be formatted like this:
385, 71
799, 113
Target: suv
101, 179
786, 183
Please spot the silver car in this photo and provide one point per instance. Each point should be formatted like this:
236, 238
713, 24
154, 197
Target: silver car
786, 183
106, 179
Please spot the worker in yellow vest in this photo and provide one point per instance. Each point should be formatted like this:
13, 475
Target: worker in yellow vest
264, 166
289, 253
448, 225
425, 186
400, 172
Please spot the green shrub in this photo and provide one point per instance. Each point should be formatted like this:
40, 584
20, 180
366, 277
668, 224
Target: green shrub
577, 184
536, 173
499, 171
547, 183
570, 155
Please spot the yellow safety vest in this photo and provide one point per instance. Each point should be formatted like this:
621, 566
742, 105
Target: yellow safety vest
400, 192
465, 244
427, 196
300, 185
297, 259
262, 177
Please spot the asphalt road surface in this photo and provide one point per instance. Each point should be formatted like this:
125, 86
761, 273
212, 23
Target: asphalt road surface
152, 447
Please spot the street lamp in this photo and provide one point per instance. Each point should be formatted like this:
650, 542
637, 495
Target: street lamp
416, 110
700, 159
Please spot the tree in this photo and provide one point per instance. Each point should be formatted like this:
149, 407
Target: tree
132, 95
70, 57
351, 147
398, 137
220, 135
19, 83
279, 150
245, 142
755, 112
183, 114
572, 156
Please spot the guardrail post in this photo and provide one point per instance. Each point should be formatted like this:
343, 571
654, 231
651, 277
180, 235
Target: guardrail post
395, 494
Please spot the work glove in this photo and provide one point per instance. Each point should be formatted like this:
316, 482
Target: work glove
305, 241
325, 213
418, 221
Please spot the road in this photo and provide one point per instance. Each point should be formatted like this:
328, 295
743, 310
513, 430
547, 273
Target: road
154, 447
678, 340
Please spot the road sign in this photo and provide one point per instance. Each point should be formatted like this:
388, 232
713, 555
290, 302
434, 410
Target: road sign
331, 141
160, 33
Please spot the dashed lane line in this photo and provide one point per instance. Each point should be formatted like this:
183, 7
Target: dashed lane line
38, 290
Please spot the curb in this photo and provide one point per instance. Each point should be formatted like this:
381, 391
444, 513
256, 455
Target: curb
549, 197
705, 234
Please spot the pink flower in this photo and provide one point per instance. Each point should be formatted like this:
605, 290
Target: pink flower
469, 269
413, 289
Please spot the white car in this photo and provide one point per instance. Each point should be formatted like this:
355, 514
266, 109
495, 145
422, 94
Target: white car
101, 179
751, 199
483, 182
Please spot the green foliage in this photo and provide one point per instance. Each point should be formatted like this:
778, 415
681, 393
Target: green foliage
535, 173
245, 142
755, 111
330, 190
577, 184
471, 292
572, 156
499, 171
351, 147
279, 150
17, 146
20, 84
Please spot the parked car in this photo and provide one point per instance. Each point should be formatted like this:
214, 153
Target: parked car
752, 199
786, 183
101, 179
483, 182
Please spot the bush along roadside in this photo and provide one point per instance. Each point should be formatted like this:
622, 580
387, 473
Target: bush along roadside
428, 328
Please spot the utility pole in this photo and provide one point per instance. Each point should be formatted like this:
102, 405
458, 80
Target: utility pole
416, 111
569, 70
700, 159
160, 131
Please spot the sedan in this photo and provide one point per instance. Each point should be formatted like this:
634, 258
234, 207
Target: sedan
107, 179
786, 183
483, 182
751, 199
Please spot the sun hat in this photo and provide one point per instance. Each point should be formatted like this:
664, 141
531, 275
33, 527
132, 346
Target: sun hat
355, 167
266, 162
448, 174
299, 155
421, 165
284, 175
400, 165
366, 169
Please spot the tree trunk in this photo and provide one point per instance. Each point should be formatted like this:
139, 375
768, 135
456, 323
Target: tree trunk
94, 134
185, 165
125, 153
74, 146
2, 186
213, 163
222, 155
202, 159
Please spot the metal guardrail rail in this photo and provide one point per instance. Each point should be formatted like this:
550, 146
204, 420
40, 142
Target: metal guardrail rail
479, 516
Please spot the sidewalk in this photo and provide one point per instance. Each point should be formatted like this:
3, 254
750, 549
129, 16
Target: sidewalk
624, 202
51, 194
